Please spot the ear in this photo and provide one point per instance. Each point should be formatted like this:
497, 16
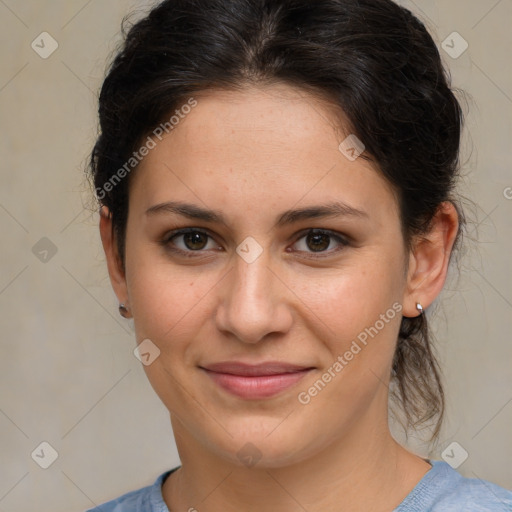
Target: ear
114, 263
429, 259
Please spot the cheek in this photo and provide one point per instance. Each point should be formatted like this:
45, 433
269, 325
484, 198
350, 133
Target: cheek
353, 297
166, 300
362, 308
359, 312
169, 308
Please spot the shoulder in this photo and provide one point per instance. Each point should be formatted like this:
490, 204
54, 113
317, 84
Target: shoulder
443, 489
146, 499
473, 495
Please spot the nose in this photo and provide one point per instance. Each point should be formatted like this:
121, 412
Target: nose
253, 302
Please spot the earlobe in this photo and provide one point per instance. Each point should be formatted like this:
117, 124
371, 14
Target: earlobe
429, 259
114, 264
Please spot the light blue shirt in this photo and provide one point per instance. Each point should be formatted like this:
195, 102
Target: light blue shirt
441, 489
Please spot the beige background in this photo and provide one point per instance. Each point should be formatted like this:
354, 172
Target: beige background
68, 374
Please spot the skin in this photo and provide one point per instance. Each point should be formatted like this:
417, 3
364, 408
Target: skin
251, 155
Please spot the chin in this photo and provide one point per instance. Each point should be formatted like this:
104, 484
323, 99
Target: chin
260, 450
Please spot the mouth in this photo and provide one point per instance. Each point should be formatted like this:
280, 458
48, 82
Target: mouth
255, 381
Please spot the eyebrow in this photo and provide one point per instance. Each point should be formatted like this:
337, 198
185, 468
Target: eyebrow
192, 211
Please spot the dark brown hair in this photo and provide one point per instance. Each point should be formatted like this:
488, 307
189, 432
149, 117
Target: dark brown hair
373, 58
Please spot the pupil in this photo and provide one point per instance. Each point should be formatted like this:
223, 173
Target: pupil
191, 239
317, 239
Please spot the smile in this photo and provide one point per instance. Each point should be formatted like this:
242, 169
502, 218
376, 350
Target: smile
255, 382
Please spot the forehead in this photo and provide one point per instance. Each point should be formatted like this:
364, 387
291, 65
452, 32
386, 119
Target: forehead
261, 120
255, 147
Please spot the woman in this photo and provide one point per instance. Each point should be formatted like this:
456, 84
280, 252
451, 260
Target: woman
276, 181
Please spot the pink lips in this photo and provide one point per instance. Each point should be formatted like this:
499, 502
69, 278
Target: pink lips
255, 381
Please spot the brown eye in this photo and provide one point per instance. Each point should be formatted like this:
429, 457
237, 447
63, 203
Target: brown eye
195, 240
189, 241
319, 241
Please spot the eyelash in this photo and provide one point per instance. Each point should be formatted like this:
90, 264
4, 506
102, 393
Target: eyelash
167, 241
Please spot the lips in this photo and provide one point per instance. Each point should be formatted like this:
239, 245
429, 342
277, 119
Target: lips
248, 370
255, 381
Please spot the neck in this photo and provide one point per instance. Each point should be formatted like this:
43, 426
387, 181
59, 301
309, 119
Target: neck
365, 469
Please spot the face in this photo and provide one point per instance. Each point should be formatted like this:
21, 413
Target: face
251, 284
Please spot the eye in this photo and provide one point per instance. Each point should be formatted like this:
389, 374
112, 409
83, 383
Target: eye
319, 241
188, 240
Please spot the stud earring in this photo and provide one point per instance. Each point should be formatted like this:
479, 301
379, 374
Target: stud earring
419, 307
123, 310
